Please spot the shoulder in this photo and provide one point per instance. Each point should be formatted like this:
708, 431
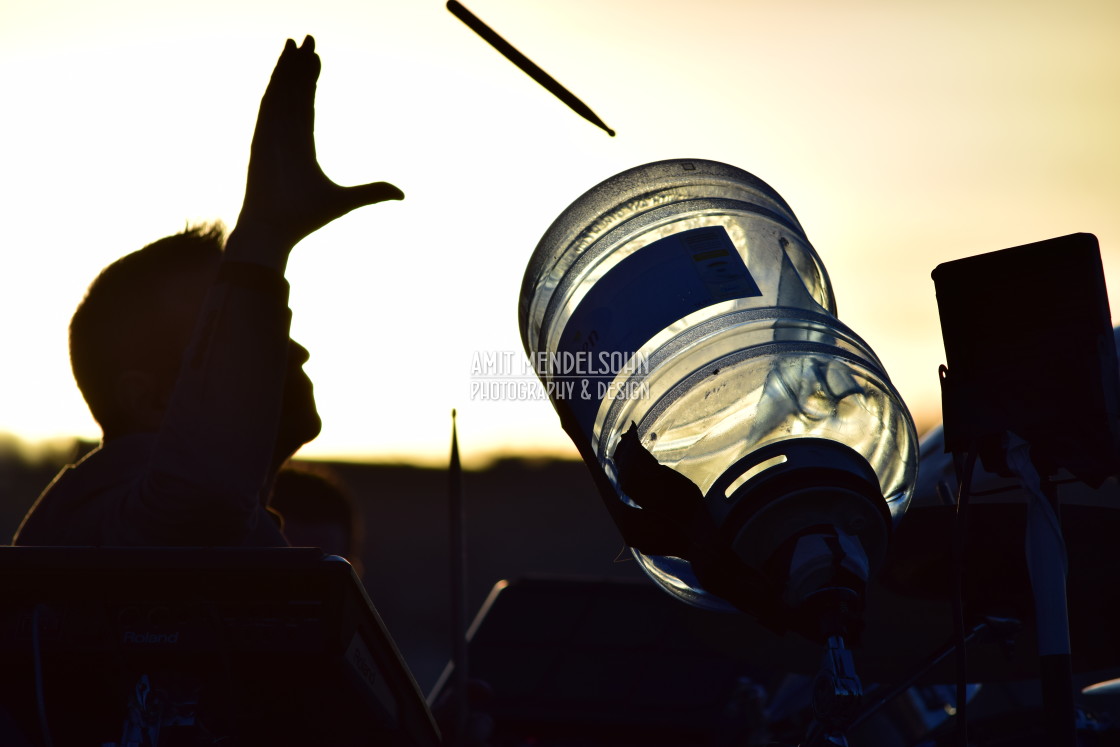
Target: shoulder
83, 497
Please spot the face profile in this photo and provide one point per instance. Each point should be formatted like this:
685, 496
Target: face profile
299, 416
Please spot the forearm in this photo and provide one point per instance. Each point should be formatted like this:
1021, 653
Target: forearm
217, 444
256, 242
216, 447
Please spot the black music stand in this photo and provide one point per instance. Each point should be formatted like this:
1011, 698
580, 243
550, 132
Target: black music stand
1031, 389
263, 646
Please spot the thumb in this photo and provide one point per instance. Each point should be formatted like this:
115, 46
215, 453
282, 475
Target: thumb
368, 194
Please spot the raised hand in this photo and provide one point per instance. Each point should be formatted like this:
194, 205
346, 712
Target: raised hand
287, 195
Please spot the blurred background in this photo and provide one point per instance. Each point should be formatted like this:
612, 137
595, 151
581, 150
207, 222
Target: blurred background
902, 134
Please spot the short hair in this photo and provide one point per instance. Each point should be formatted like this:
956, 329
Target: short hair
122, 323
311, 493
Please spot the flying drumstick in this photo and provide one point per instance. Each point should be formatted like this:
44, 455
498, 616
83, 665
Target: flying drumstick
525, 64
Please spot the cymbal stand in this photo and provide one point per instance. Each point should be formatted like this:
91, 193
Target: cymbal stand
1048, 565
837, 693
1004, 629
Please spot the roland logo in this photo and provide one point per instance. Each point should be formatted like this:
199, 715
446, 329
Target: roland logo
145, 637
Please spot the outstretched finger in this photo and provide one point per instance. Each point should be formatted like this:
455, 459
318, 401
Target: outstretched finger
368, 194
341, 200
283, 62
312, 64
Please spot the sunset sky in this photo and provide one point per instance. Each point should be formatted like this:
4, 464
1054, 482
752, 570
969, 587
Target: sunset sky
902, 134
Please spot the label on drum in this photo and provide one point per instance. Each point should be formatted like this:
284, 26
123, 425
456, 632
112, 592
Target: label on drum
642, 295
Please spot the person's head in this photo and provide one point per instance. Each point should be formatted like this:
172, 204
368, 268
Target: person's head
318, 511
130, 332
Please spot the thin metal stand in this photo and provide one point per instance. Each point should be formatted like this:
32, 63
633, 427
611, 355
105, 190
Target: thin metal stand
457, 507
1047, 566
1003, 628
837, 693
